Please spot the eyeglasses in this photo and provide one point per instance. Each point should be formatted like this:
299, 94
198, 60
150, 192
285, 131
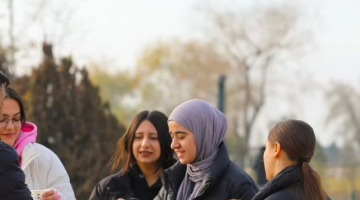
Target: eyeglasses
5, 122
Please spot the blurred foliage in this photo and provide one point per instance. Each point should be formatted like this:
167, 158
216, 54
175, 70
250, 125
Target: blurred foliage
116, 88
71, 118
173, 71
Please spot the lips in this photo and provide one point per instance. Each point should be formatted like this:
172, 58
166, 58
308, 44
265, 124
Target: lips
8, 135
145, 153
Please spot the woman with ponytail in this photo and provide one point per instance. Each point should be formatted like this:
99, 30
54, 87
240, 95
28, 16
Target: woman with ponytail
289, 149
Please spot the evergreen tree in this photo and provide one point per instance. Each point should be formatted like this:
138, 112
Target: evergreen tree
71, 119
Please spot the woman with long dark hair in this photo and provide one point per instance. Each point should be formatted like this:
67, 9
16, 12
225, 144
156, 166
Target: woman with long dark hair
142, 154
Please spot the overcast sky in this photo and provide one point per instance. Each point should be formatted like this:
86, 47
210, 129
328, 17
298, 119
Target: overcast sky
117, 30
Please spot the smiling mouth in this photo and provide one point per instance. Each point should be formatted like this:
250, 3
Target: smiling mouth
145, 153
8, 135
180, 153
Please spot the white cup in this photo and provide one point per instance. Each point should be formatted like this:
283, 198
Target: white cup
36, 194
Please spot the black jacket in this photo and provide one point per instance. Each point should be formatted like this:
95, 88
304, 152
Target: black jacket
287, 185
131, 185
225, 180
12, 177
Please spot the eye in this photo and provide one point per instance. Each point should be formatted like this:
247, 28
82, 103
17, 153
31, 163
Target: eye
2, 120
154, 138
181, 136
17, 120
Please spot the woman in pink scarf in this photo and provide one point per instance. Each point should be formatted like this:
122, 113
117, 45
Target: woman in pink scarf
43, 169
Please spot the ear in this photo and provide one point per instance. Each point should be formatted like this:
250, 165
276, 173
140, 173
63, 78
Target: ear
277, 149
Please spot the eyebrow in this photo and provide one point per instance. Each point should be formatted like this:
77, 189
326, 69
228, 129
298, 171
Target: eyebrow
9, 115
143, 133
177, 132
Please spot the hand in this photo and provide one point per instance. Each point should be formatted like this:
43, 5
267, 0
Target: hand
49, 194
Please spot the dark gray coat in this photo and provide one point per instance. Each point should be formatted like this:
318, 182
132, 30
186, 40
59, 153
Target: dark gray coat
12, 177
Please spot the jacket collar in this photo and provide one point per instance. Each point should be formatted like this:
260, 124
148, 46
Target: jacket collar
173, 176
285, 178
137, 175
220, 164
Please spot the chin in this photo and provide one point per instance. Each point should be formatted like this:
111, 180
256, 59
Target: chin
146, 162
184, 162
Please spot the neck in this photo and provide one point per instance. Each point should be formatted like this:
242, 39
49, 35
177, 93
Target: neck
282, 165
149, 172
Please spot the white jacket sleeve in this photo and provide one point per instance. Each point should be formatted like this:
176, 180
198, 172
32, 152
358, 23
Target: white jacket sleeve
59, 179
46, 171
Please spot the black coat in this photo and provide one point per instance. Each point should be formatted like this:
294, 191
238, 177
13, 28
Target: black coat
225, 180
287, 185
12, 177
130, 185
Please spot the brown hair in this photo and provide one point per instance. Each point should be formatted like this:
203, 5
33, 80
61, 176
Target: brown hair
297, 139
12, 94
124, 155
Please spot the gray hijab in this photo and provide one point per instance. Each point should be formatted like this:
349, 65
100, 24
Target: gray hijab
209, 127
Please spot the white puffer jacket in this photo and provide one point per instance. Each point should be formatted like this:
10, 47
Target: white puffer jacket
43, 170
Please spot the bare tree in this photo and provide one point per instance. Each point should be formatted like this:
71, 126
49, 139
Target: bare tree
11, 33
53, 19
173, 71
344, 110
255, 41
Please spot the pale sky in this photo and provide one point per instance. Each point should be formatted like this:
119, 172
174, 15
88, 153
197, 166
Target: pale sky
117, 30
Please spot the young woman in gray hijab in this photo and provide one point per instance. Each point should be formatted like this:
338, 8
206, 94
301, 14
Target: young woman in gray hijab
204, 170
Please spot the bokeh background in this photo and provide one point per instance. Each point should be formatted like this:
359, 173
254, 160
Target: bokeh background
85, 67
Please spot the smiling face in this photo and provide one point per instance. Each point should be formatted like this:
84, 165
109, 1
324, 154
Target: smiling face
146, 146
183, 142
10, 122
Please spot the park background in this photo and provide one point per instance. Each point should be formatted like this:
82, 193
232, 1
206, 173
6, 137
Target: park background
85, 67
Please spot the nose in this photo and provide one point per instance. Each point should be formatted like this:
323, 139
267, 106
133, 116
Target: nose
10, 124
174, 144
145, 142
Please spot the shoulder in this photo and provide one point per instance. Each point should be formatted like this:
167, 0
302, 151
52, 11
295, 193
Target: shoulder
110, 186
115, 181
239, 183
45, 160
284, 194
46, 155
174, 174
109, 179
7, 151
41, 149
237, 175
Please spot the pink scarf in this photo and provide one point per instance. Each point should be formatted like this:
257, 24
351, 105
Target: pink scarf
27, 134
